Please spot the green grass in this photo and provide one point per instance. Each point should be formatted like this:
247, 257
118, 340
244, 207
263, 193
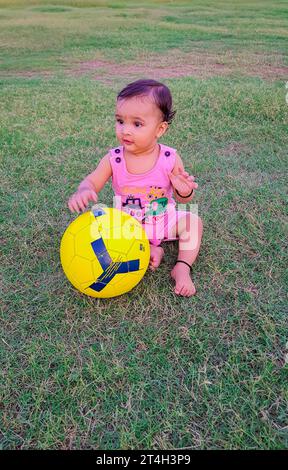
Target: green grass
147, 369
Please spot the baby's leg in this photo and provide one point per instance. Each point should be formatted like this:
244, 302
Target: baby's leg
154, 234
156, 255
189, 230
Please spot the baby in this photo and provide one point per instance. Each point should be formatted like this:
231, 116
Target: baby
148, 177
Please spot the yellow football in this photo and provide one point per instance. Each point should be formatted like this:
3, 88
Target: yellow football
104, 252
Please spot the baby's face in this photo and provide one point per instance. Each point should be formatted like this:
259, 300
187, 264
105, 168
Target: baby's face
139, 123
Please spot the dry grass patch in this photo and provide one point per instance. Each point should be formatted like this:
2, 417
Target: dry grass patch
180, 64
175, 64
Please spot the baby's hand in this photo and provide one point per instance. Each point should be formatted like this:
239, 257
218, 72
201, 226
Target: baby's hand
79, 200
183, 182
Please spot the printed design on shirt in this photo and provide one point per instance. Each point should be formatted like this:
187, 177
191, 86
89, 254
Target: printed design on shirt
157, 207
153, 202
133, 206
158, 201
133, 202
133, 189
156, 192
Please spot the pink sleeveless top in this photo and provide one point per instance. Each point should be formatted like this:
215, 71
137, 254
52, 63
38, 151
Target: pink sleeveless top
147, 196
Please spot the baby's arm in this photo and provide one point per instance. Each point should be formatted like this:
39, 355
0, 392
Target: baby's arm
182, 181
90, 186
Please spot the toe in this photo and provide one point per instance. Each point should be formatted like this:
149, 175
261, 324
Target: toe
192, 291
152, 267
178, 289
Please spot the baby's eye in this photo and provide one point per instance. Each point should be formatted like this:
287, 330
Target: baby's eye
120, 121
138, 124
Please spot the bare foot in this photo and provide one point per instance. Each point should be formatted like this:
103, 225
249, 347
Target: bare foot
184, 285
156, 255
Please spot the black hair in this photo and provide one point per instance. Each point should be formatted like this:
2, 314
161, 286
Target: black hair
160, 92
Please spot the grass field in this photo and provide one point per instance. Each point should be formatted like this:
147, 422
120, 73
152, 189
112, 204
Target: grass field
148, 369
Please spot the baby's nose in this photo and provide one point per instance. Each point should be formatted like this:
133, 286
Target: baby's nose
126, 130
127, 134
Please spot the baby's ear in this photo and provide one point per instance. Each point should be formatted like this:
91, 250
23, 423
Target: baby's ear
162, 128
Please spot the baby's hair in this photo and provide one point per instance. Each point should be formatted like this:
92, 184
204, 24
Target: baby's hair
147, 87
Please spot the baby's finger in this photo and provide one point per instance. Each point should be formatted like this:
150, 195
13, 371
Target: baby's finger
172, 177
182, 178
73, 206
94, 196
77, 203
192, 185
81, 204
184, 173
181, 171
76, 206
85, 199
